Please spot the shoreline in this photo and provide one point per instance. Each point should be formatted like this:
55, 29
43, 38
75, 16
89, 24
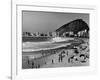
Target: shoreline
32, 50
55, 40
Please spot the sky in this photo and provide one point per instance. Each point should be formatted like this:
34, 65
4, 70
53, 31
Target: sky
35, 21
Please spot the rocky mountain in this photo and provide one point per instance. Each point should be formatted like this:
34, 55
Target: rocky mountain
73, 26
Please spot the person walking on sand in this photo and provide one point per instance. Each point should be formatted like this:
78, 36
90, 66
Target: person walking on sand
32, 64
67, 53
62, 57
38, 65
52, 61
28, 61
59, 59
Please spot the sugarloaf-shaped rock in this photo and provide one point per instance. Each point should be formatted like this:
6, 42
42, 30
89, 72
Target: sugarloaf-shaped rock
73, 26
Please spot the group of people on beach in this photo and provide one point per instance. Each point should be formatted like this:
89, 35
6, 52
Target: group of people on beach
60, 57
32, 64
75, 56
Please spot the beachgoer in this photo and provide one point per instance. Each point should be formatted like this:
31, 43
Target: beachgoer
59, 59
28, 61
38, 65
32, 64
67, 53
52, 61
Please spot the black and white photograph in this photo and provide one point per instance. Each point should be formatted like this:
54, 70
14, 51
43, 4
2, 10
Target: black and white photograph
55, 39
